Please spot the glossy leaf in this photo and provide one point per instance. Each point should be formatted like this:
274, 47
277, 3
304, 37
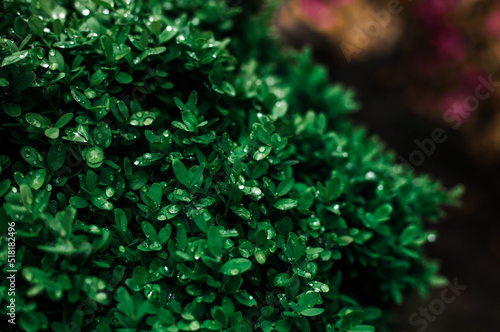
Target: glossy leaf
236, 266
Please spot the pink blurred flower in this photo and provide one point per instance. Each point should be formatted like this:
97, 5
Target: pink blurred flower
452, 103
320, 11
455, 100
434, 12
313, 8
493, 23
449, 44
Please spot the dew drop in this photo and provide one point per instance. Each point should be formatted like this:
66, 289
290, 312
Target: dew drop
173, 209
110, 191
370, 175
256, 191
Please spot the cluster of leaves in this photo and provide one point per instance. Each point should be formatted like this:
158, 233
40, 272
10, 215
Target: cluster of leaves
169, 169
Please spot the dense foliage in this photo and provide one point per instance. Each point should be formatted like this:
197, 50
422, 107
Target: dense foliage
167, 168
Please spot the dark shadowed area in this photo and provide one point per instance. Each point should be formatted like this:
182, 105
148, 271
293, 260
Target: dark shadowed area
468, 244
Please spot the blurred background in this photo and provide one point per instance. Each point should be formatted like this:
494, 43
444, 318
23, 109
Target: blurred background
417, 67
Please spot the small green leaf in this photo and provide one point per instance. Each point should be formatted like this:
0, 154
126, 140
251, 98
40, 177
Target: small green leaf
29, 321
14, 57
52, 132
260, 169
56, 60
262, 153
228, 88
26, 195
168, 33
260, 256
32, 156
196, 175
124, 78
164, 234
312, 312
281, 279
56, 156
4, 186
279, 109
102, 135
201, 218
383, 213
149, 231
285, 186
242, 212
98, 77
91, 180
11, 109
145, 118
236, 266
215, 242
244, 298
63, 120
93, 156
25, 41
121, 220
345, 240
77, 202
181, 172
333, 188
36, 120
102, 203
36, 25
285, 204
81, 99
408, 234
37, 179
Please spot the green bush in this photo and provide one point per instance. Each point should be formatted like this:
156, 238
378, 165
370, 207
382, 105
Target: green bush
166, 167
